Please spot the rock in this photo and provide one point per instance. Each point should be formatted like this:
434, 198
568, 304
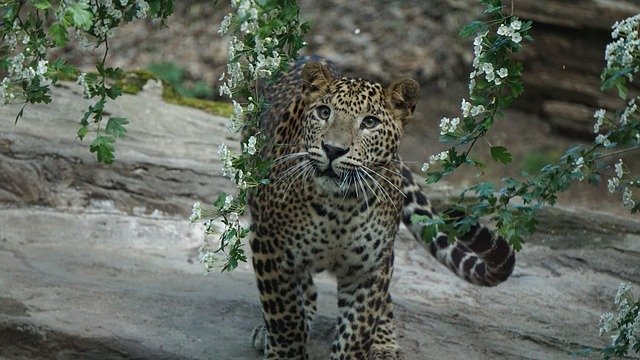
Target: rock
564, 62
43, 162
85, 272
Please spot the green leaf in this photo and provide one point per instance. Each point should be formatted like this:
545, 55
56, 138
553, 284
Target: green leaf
115, 127
78, 15
103, 147
42, 4
82, 132
429, 233
500, 154
622, 90
113, 92
471, 28
58, 33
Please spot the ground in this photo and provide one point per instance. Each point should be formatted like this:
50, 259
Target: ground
99, 262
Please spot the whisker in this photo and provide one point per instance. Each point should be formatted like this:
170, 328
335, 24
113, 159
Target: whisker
356, 186
385, 179
302, 171
287, 174
310, 170
369, 186
287, 157
364, 192
377, 183
389, 170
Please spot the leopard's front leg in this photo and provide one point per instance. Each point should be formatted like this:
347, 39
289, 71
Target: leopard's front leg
364, 310
284, 334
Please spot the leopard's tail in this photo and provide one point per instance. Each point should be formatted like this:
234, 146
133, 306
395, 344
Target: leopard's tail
479, 256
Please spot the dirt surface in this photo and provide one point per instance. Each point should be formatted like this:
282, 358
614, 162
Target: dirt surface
98, 262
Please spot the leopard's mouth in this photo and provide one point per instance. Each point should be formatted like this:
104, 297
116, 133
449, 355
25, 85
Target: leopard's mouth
330, 174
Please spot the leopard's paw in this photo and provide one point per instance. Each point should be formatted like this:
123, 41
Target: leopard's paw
260, 338
379, 352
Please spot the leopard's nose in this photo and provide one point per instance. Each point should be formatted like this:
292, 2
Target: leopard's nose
333, 152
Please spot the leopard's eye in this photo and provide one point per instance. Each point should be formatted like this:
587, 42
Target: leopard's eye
369, 122
323, 112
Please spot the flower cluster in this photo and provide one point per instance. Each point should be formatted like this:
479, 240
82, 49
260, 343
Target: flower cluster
448, 126
599, 115
264, 35
623, 52
512, 30
19, 72
196, 212
577, 167
434, 159
469, 110
250, 146
482, 44
616, 181
623, 327
226, 159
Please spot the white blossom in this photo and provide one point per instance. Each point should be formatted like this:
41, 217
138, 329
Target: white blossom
448, 125
425, 167
250, 146
438, 157
618, 168
477, 110
599, 116
628, 111
226, 159
606, 323
466, 108
612, 184
82, 82
578, 164
196, 212
623, 291
603, 140
228, 200
511, 31
627, 200
224, 25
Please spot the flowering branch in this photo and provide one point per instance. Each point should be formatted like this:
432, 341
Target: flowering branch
29, 29
265, 37
624, 327
494, 84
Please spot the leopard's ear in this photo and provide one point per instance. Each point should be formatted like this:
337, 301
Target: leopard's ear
316, 79
403, 96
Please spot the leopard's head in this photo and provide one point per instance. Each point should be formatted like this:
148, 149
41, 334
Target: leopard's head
352, 127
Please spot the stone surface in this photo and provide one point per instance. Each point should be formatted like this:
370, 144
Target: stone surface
564, 62
98, 262
42, 161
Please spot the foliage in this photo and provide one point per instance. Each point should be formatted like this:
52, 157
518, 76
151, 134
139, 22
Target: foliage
30, 28
494, 84
623, 327
265, 36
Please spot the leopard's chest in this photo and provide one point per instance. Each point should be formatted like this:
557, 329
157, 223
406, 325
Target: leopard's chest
342, 238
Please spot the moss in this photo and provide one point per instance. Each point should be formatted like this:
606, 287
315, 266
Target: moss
133, 81
170, 95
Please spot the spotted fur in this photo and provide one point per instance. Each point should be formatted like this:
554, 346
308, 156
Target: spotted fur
338, 192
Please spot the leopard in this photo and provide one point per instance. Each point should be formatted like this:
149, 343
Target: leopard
337, 193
